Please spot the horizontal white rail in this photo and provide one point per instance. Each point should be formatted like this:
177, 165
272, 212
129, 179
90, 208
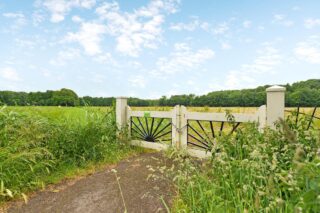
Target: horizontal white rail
221, 117
153, 114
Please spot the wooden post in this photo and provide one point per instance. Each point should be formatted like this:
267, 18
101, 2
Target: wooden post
183, 128
121, 112
275, 105
175, 126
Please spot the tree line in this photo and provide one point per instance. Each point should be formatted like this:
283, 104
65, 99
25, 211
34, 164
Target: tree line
303, 93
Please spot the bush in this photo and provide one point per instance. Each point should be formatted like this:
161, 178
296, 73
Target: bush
33, 146
274, 171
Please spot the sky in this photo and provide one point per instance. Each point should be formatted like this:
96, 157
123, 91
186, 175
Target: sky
150, 48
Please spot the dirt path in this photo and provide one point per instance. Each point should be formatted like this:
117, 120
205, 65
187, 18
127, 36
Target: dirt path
100, 192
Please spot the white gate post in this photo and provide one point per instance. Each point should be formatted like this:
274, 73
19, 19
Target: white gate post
175, 126
183, 128
121, 112
275, 105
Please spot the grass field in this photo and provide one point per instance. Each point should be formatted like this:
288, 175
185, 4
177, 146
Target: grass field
41, 145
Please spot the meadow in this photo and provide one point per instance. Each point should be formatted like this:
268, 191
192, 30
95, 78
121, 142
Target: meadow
42, 145
249, 171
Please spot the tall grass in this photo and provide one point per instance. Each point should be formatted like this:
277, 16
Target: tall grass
36, 143
274, 171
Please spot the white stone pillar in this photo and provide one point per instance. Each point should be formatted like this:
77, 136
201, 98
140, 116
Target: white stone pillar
121, 112
275, 104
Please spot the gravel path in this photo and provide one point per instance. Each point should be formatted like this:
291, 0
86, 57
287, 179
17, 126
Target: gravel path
100, 192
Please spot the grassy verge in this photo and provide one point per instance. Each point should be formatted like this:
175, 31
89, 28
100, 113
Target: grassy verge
274, 171
39, 146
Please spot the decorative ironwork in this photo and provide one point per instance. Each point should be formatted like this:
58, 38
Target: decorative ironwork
202, 133
297, 113
151, 129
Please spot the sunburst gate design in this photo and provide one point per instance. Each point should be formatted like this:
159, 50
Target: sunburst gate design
151, 129
202, 133
297, 113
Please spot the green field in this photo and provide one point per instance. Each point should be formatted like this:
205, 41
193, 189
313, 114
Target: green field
41, 145
249, 171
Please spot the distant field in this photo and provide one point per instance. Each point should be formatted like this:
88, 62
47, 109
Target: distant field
54, 113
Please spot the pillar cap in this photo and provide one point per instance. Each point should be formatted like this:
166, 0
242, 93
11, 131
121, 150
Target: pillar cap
121, 97
276, 88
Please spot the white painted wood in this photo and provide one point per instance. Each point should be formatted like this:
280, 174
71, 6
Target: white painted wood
155, 114
262, 117
149, 145
121, 112
183, 127
206, 116
198, 153
275, 104
128, 121
175, 126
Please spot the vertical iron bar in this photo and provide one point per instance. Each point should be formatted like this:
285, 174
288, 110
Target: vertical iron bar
202, 128
221, 128
162, 130
312, 116
152, 122
138, 128
212, 130
197, 133
155, 131
142, 126
234, 127
146, 119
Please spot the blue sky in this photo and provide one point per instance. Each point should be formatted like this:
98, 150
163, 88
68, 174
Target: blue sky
150, 48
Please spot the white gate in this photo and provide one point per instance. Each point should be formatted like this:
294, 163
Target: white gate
193, 131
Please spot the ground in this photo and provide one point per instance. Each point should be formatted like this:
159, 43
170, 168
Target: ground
143, 189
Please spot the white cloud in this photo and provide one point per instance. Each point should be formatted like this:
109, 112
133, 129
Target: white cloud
183, 58
37, 17
309, 50
268, 58
89, 36
138, 81
247, 24
64, 56
140, 29
282, 20
10, 74
77, 19
19, 19
191, 26
60, 8
221, 29
311, 23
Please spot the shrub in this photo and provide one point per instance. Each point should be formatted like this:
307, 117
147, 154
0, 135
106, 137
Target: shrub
274, 171
33, 145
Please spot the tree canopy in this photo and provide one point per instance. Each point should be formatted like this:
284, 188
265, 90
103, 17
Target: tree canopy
303, 93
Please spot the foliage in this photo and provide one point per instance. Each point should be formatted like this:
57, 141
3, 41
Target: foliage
274, 171
304, 93
37, 143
